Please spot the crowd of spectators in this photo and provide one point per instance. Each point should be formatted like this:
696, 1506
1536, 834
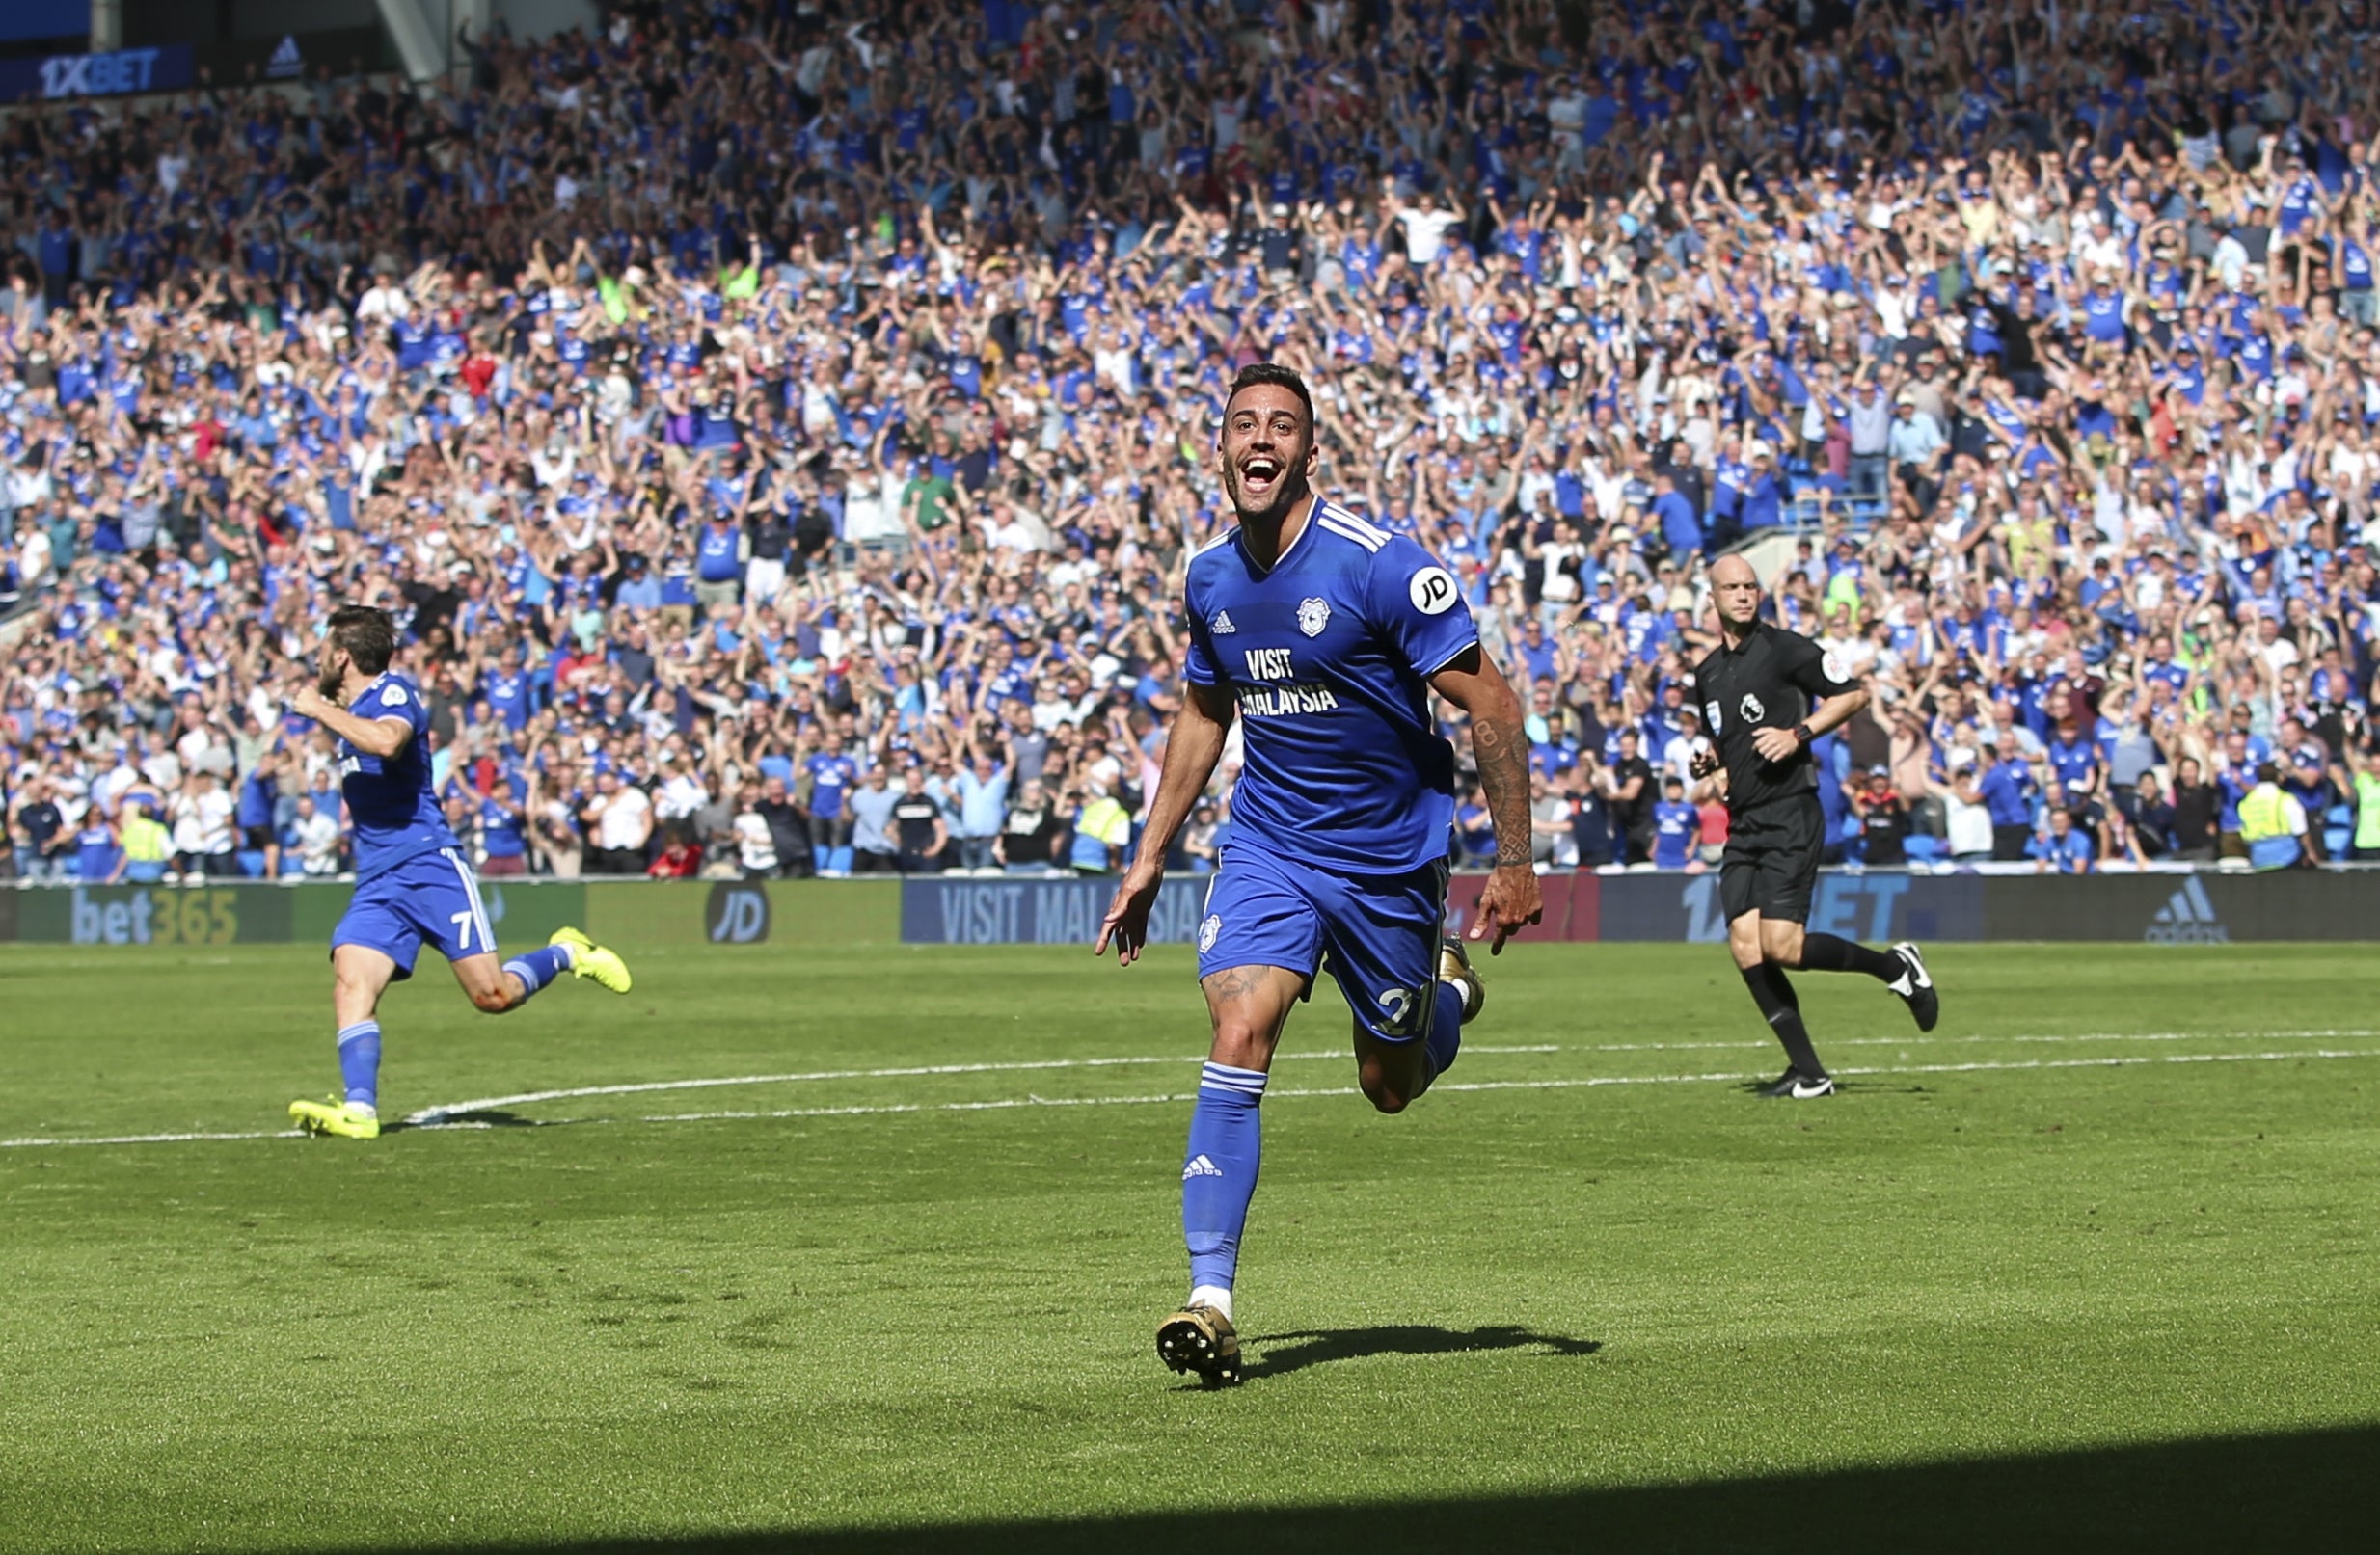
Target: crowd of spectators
779, 427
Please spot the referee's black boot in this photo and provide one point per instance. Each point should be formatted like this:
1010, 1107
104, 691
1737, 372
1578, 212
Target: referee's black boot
1795, 1086
1915, 987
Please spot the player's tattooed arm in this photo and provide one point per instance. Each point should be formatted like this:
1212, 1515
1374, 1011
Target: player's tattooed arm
1502, 750
1500, 745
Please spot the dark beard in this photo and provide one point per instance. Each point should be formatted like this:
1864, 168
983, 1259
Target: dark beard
1287, 494
328, 682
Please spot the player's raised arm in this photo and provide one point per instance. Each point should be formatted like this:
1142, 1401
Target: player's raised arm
383, 736
1500, 743
1192, 748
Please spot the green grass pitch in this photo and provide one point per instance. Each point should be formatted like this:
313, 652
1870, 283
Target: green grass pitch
2097, 1265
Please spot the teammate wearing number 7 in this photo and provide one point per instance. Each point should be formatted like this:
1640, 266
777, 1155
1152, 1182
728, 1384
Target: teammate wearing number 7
413, 883
1327, 637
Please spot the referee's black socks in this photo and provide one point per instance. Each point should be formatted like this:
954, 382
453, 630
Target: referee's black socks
1827, 953
1773, 993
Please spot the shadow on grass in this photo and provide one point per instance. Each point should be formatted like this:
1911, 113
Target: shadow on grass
488, 1117
1281, 1353
1842, 1087
2305, 1492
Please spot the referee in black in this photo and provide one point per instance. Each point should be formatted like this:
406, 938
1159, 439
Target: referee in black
1766, 694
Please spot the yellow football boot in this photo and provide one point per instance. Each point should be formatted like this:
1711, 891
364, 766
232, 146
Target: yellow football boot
349, 1120
592, 960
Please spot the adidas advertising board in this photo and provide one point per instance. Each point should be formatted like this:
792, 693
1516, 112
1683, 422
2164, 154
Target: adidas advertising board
2188, 919
292, 55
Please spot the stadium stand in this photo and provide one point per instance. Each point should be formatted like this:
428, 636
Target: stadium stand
755, 399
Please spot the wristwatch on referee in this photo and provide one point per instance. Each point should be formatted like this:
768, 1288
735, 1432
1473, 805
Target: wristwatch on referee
1801, 732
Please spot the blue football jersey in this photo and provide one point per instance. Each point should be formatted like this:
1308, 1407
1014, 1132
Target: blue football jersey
1328, 655
391, 803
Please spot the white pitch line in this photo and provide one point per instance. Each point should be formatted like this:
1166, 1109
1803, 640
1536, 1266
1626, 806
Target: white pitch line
2115, 1062
2311, 1033
154, 1139
1007, 1103
1923, 1039
1587, 1084
430, 1116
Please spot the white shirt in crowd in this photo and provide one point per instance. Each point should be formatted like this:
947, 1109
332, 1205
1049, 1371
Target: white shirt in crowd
627, 821
202, 822
754, 846
679, 797
317, 840
1425, 232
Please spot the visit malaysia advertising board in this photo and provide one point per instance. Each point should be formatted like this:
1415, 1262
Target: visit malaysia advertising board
1876, 906
942, 911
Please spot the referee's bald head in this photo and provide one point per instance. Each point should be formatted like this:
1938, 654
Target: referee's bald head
1735, 589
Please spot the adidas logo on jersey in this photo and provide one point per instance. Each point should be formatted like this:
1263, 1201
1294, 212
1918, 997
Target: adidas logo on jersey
286, 61
2188, 919
1221, 626
1199, 1167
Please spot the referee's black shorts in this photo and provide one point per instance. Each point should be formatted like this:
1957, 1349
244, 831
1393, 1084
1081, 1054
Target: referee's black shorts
1770, 865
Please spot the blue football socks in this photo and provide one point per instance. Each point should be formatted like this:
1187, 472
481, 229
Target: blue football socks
538, 966
1446, 1038
359, 1061
1219, 1178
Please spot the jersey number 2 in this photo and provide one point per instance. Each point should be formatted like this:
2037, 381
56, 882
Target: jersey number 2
1404, 1013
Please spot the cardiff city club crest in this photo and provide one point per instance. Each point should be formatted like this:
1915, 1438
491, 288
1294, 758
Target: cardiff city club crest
1750, 708
1312, 615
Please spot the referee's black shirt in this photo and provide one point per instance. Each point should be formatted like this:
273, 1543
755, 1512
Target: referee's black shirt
1769, 682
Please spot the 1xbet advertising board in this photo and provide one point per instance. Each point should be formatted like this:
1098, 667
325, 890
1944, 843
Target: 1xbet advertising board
60, 76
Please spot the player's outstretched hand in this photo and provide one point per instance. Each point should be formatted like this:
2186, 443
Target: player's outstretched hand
1703, 763
1127, 923
1511, 901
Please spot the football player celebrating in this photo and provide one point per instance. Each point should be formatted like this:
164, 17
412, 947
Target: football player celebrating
1328, 636
412, 883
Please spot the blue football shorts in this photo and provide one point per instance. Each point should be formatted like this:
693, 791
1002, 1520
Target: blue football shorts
430, 897
1380, 932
